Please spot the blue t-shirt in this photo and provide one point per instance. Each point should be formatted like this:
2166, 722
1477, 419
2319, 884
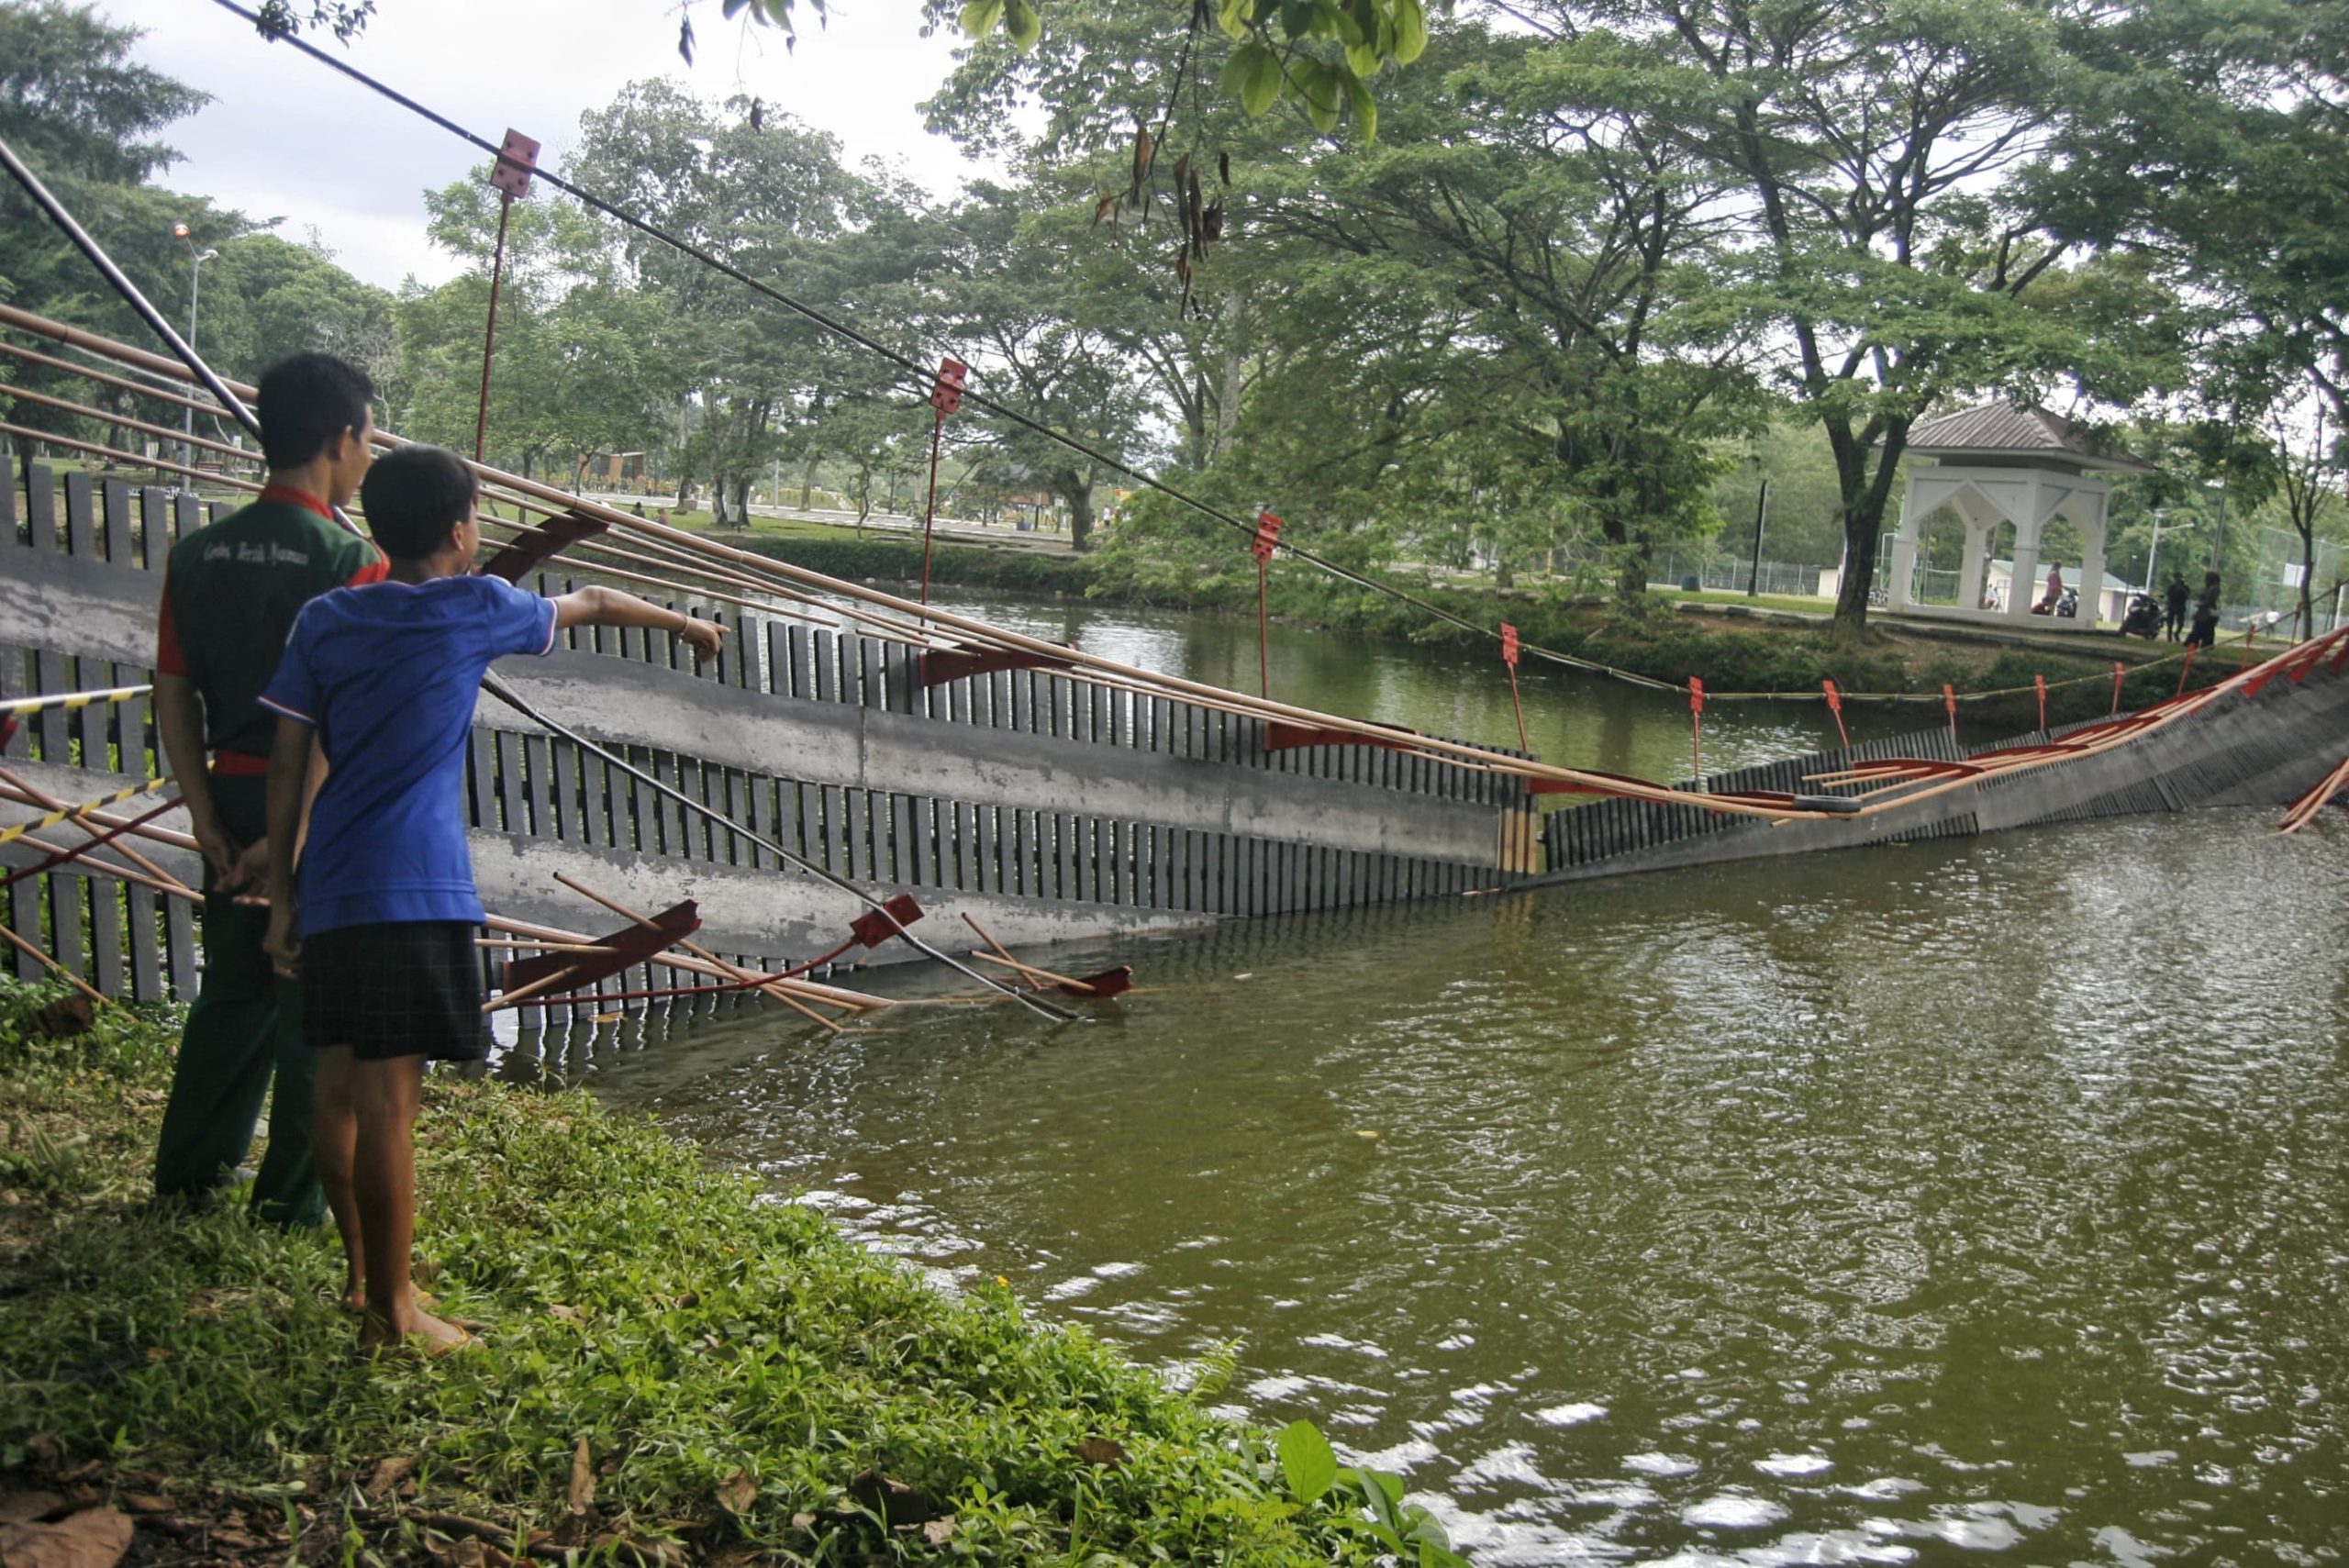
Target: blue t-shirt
389, 673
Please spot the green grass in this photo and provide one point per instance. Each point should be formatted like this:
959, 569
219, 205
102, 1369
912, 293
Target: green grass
741, 1377
1804, 604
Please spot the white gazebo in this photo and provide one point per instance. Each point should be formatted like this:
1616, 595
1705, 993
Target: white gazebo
2004, 463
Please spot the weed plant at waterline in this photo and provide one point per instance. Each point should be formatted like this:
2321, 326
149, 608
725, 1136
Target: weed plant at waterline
676, 1367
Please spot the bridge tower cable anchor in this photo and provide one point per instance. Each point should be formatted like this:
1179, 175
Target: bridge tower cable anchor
510, 177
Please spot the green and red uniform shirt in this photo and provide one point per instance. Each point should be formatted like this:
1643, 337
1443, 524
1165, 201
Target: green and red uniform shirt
230, 595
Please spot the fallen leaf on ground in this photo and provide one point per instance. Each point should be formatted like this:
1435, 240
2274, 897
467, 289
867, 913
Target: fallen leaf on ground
583, 1479
568, 1314
23, 1507
1101, 1451
389, 1474
893, 1501
739, 1493
145, 1503
939, 1531
95, 1538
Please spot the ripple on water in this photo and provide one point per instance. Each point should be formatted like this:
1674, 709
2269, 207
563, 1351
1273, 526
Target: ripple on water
1570, 1415
1968, 1161
1732, 1510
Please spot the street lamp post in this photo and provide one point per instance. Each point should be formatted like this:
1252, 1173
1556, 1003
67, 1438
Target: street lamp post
195, 279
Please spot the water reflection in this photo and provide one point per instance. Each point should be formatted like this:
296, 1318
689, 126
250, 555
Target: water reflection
1572, 718
1908, 1205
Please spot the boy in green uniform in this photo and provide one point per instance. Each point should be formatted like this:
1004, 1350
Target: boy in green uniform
230, 595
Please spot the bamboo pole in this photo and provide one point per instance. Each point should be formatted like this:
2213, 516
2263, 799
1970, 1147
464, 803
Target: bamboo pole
92, 825
778, 992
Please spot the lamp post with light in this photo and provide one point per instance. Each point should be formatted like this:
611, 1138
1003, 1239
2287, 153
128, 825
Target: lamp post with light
194, 278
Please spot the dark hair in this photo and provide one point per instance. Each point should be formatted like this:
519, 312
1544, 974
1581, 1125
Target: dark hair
305, 402
415, 497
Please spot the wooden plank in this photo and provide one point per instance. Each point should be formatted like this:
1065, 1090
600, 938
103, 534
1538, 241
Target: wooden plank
481, 780
116, 521
675, 837
25, 902
908, 841
758, 816
136, 751
146, 944
51, 726
565, 817
1065, 828
955, 815
513, 797
40, 509
870, 691
187, 515
154, 530
826, 678
11, 514
179, 945
68, 917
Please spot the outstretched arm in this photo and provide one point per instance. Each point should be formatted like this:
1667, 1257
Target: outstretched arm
609, 606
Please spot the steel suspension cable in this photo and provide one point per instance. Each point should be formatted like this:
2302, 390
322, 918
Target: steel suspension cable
920, 371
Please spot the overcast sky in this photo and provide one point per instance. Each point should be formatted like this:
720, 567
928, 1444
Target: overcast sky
286, 137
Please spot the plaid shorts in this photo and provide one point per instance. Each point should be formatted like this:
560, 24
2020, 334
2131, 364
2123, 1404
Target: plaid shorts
408, 988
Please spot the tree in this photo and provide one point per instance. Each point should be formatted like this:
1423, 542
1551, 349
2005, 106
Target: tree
2223, 159
578, 369
1888, 243
1062, 368
2314, 463
767, 193
1568, 247
84, 118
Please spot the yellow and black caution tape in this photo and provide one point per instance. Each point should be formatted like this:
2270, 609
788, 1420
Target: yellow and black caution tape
67, 813
17, 707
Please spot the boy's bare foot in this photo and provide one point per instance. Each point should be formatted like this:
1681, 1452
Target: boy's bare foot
354, 1300
435, 1337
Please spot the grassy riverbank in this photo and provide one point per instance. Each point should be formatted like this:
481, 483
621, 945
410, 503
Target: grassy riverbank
1785, 656
677, 1368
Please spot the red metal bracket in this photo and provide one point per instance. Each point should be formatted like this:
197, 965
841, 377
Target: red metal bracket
517, 162
1289, 737
941, 665
1636, 788
631, 944
877, 926
526, 550
1108, 982
946, 392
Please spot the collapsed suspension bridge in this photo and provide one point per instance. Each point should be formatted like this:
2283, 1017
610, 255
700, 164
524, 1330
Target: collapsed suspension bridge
856, 759
1043, 793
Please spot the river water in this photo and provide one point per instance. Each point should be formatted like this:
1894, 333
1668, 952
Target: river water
1968, 1201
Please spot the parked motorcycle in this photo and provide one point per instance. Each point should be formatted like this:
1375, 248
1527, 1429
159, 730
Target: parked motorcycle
2144, 619
2068, 606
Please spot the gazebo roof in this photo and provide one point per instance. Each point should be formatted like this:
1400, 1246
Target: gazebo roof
2007, 431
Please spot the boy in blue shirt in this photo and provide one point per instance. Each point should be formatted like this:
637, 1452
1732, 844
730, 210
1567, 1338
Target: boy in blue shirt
381, 928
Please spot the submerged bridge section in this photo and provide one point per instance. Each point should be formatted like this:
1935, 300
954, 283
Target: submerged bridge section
1048, 806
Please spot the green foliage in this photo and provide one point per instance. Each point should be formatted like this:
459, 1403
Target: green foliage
733, 1365
898, 559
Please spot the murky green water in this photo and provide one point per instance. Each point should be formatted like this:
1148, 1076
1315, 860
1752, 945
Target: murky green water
1973, 1201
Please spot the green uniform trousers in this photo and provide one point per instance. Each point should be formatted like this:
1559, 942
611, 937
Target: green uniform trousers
244, 1029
